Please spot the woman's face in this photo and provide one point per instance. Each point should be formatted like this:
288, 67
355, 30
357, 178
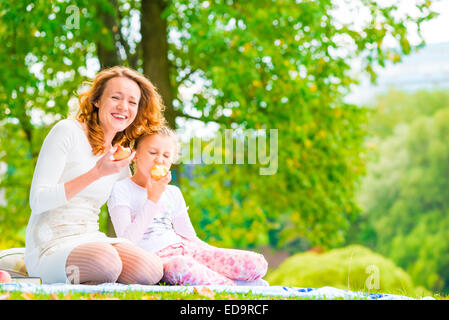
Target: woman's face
118, 104
153, 150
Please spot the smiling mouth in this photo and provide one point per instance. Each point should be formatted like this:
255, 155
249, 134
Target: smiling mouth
119, 116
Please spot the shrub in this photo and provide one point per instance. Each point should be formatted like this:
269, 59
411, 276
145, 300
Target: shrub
353, 268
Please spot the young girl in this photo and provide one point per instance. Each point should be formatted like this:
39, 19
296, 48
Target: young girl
153, 215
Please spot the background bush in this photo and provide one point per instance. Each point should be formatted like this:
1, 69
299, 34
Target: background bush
351, 268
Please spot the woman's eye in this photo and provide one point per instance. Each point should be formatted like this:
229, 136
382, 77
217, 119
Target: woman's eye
115, 98
167, 156
132, 103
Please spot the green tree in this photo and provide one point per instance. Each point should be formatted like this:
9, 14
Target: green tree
279, 66
396, 107
404, 195
43, 56
262, 65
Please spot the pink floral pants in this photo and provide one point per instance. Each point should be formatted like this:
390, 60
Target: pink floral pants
192, 263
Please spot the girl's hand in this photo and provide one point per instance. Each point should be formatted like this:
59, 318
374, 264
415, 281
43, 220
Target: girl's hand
155, 188
107, 165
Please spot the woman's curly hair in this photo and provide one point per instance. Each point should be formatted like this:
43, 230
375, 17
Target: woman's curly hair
149, 114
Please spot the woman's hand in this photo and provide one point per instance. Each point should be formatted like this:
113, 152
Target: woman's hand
155, 188
104, 166
107, 165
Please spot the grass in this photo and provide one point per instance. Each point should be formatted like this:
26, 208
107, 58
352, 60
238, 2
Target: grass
200, 294
136, 295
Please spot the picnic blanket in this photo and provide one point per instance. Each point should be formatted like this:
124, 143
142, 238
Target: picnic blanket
12, 259
327, 293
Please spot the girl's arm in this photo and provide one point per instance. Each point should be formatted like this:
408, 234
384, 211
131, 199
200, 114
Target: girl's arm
132, 230
181, 222
183, 226
120, 209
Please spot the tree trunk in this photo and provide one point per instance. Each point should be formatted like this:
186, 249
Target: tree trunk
107, 52
108, 58
155, 60
155, 52
154, 57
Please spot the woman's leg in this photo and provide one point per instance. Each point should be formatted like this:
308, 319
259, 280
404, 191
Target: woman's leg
232, 263
184, 270
93, 263
139, 266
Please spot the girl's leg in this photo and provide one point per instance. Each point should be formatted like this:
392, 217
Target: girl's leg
232, 263
93, 263
184, 270
139, 266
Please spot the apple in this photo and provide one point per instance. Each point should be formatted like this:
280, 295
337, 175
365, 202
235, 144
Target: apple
4, 276
121, 153
159, 171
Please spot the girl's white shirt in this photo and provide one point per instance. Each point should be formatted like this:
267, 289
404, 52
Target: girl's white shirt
149, 225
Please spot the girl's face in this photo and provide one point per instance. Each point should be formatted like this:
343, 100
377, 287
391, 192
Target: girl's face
152, 150
118, 104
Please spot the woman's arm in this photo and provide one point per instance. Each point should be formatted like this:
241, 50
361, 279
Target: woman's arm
47, 191
73, 187
105, 166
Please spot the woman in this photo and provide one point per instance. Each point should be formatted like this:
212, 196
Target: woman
73, 178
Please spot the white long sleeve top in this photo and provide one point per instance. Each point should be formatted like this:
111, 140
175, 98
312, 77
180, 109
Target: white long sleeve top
149, 225
57, 225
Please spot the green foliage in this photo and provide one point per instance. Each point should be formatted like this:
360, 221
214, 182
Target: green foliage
405, 193
280, 65
396, 107
43, 58
353, 268
263, 65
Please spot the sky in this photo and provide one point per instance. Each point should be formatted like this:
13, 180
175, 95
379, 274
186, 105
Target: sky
433, 32
437, 30
431, 62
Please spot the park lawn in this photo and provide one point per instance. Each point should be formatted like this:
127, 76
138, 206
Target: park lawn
136, 295
202, 294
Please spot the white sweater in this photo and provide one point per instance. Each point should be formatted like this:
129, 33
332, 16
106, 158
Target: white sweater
57, 226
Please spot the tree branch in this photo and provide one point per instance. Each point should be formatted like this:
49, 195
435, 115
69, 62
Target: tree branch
221, 120
119, 32
185, 77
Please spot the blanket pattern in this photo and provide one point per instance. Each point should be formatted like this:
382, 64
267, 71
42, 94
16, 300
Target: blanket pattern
327, 293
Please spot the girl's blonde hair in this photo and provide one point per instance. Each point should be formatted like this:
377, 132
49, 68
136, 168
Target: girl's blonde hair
167, 132
149, 114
